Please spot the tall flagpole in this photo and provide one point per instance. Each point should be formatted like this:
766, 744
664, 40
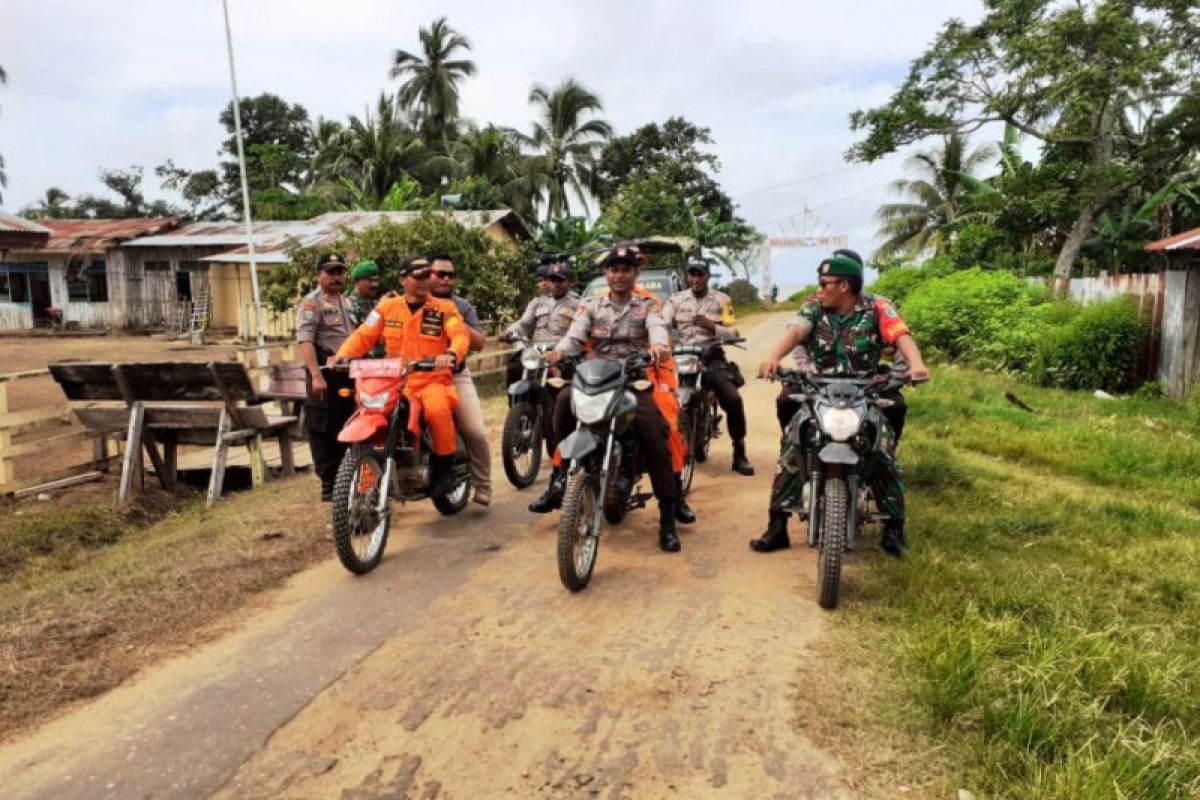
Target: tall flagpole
237, 126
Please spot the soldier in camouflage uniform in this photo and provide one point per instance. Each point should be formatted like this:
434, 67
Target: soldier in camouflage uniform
365, 277
845, 331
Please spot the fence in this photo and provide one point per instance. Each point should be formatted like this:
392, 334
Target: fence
1148, 291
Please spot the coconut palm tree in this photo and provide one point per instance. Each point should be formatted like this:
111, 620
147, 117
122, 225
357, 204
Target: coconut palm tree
431, 78
937, 198
51, 205
565, 142
373, 153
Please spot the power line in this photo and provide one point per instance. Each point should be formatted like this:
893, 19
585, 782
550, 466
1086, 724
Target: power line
805, 179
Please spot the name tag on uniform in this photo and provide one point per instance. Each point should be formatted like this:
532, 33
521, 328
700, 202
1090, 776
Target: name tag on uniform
639, 312
600, 331
432, 323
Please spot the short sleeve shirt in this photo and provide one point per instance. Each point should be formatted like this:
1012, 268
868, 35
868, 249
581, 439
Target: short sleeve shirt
324, 320
469, 314
851, 344
614, 330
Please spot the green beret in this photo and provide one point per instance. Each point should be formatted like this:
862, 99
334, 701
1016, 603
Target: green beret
840, 267
364, 269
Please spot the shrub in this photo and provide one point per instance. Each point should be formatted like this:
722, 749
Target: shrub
800, 295
896, 284
742, 292
1096, 349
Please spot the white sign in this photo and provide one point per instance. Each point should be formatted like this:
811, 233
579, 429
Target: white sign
791, 242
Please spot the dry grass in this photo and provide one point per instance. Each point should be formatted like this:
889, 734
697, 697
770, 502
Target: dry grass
81, 616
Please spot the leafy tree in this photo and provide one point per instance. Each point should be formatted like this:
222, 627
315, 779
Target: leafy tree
650, 206
431, 78
52, 205
278, 142
565, 143
476, 193
373, 153
569, 236
1069, 75
937, 199
201, 189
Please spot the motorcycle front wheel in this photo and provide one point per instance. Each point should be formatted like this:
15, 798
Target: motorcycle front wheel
833, 542
578, 538
360, 531
688, 429
703, 429
521, 445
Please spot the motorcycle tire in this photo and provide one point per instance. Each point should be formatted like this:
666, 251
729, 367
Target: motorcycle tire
359, 536
521, 445
616, 498
702, 430
578, 541
688, 428
833, 542
456, 499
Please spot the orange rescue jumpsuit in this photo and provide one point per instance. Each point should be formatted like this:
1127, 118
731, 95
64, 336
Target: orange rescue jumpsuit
432, 330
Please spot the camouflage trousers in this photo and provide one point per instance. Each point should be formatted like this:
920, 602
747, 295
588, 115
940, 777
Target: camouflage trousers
887, 482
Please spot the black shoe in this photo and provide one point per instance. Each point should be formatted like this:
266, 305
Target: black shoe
552, 498
441, 475
668, 539
326, 493
893, 540
740, 463
683, 512
775, 537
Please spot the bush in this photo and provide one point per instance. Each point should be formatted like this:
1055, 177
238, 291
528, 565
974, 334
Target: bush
742, 292
896, 284
1096, 349
983, 317
800, 295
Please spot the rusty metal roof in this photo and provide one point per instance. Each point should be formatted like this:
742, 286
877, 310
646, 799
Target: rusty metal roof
1188, 240
11, 224
97, 235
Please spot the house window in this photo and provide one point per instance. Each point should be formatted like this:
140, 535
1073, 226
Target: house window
157, 266
97, 282
14, 285
87, 284
4, 287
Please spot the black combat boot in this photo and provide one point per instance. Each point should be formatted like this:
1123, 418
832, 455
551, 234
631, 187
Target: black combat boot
441, 474
552, 498
741, 465
775, 537
893, 539
683, 512
668, 539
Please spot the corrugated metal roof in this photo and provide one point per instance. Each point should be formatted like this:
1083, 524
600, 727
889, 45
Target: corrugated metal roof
221, 234
11, 224
1188, 240
97, 235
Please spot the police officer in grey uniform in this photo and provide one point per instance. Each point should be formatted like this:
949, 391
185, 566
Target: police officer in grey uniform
547, 317
324, 318
701, 315
616, 325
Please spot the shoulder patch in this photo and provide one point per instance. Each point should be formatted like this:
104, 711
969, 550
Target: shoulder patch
372, 319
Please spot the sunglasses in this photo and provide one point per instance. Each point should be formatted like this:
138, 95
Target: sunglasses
446, 275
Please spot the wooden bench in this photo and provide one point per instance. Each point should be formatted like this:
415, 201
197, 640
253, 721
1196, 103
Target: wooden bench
288, 386
177, 403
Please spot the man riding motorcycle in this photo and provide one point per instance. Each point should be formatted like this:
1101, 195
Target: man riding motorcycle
615, 326
704, 316
844, 331
413, 326
547, 317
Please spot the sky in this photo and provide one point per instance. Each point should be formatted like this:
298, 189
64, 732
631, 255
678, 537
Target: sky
109, 84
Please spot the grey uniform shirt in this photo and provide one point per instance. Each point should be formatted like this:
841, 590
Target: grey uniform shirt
546, 319
471, 317
682, 309
614, 330
324, 320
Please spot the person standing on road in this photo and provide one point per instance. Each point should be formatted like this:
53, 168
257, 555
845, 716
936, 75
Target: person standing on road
615, 326
365, 279
469, 414
324, 318
844, 331
705, 316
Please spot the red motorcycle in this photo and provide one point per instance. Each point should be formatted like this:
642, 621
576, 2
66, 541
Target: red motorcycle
388, 458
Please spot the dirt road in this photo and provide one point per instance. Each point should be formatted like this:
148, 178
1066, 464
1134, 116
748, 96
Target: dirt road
462, 669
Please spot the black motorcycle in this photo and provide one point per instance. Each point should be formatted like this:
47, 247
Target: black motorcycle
530, 407
605, 461
839, 429
699, 413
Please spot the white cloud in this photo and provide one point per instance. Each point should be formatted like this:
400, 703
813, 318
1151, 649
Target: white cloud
111, 84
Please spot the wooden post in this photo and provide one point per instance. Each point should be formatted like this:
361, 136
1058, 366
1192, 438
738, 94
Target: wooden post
146, 437
171, 457
133, 449
6, 466
217, 479
287, 458
258, 465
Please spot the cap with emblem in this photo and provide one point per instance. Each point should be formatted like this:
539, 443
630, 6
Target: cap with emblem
414, 264
698, 265
331, 261
364, 269
840, 267
558, 269
623, 254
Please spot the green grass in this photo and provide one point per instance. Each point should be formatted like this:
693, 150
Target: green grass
1045, 629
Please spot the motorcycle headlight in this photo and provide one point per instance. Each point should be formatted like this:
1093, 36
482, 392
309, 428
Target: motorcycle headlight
590, 408
531, 359
840, 424
687, 365
375, 401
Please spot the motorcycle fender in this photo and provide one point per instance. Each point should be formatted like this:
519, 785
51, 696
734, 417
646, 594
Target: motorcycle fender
838, 453
519, 388
362, 427
578, 445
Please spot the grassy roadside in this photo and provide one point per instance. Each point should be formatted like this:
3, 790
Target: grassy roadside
1043, 638
88, 597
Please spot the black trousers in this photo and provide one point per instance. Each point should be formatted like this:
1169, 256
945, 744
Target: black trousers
323, 422
786, 408
719, 378
651, 430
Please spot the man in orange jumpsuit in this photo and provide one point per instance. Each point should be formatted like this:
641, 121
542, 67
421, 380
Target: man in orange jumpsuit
414, 326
